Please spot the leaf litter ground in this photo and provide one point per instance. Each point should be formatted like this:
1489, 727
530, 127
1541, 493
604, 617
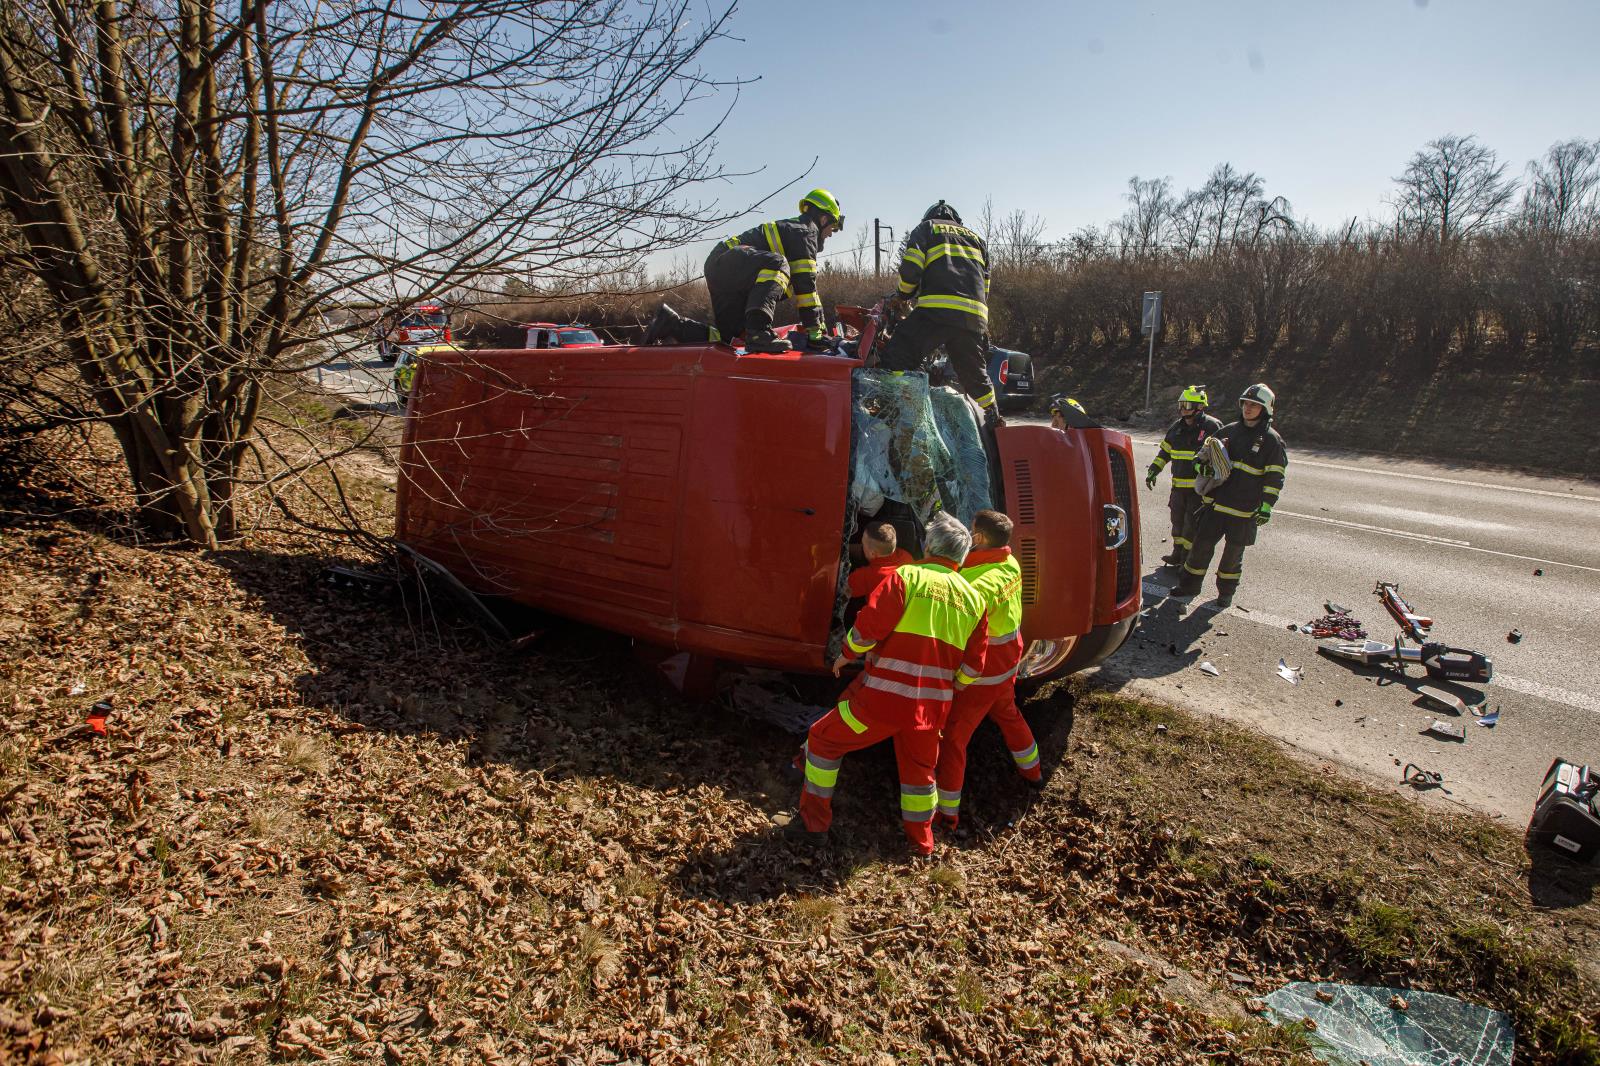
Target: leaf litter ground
326, 827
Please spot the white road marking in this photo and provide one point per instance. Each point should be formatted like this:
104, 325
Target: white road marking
1445, 480
1577, 700
1430, 539
1425, 477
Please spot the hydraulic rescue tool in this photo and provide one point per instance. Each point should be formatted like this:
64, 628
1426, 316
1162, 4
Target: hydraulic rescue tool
1442, 662
1411, 623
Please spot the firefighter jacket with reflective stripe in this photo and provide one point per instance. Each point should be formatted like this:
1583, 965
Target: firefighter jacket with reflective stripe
863, 579
926, 625
1179, 446
1259, 462
995, 573
946, 267
798, 241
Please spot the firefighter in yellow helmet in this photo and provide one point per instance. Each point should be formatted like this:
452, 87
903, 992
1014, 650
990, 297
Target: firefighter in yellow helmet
1180, 447
748, 275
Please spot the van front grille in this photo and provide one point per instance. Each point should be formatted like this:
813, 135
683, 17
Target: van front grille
1028, 559
1022, 473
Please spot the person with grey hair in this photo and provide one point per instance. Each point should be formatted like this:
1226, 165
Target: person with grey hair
927, 625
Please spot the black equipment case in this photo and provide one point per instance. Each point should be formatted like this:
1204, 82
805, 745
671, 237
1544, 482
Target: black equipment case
1566, 817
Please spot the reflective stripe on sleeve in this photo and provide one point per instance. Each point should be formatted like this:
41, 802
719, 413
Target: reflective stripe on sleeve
997, 679
987, 399
906, 288
1003, 637
803, 266
1270, 490
856, 644
914, 255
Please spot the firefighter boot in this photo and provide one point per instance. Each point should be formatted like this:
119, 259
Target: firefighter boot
663, 327
764, 340
1188, 585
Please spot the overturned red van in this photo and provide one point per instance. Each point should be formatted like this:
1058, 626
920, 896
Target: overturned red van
700, 499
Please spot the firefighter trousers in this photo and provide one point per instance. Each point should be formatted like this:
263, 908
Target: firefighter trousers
746, 285
972, 704
1181, 505
914, 341
1206, 530
851, 726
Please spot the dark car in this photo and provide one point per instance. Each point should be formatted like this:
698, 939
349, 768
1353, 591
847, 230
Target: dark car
1012, 374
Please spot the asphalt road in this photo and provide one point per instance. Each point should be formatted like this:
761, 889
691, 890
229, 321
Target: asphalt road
1482, 552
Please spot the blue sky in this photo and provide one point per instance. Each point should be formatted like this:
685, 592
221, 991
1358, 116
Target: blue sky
1050, 107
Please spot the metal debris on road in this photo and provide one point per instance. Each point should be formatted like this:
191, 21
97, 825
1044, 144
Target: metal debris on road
1289, 673
1449, 700
1335, 624
1448, 730
1514, 637
1208, 668
1420, 779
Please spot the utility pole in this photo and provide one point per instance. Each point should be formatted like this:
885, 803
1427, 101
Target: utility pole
877, 246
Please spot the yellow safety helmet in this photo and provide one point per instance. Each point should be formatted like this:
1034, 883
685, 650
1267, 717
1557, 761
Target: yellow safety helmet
1195, 394
823, 201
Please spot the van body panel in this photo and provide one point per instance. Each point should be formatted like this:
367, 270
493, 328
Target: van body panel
696, 498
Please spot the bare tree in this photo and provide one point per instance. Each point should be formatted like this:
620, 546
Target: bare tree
1451, 189
1017, 240
1561, 192
1227, 200
192, 184
1151, 205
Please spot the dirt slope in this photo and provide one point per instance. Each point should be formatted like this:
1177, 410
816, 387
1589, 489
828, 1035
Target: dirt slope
316, 828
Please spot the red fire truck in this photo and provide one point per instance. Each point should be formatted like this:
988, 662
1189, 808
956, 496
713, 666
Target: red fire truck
700, 499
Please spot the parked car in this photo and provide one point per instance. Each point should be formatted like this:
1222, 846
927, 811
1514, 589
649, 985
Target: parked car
1012, 374
552, 335
703, 500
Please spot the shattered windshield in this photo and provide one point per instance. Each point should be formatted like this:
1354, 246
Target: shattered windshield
1394, 1026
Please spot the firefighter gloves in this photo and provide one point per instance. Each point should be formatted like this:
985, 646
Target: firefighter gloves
1151, 473
1264, 515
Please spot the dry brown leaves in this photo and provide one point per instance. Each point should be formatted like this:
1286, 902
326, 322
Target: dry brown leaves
316, 830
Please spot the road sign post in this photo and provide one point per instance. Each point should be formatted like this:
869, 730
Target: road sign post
1150, 324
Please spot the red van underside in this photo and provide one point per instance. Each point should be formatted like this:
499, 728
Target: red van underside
695, 498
